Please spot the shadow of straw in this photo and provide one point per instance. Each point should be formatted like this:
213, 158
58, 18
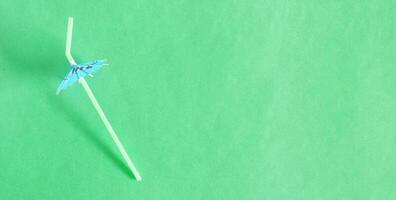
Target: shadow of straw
86, 131
32, 57
34, 54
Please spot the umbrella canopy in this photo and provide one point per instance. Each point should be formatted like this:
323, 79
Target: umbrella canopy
78, 71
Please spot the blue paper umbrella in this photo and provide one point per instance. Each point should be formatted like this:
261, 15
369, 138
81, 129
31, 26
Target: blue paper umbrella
78, 71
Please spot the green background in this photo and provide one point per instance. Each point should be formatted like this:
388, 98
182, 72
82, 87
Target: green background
243, 99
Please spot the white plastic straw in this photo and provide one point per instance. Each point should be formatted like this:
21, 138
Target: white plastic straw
96, 104
69, 41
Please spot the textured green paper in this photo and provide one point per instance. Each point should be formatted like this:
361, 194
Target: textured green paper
245, 99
